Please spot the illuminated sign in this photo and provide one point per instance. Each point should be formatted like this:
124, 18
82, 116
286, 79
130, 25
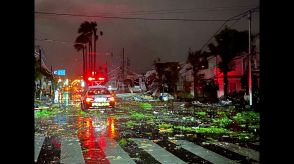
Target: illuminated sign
60, 72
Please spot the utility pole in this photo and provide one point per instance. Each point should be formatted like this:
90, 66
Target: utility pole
128, 63
40, 55
51, 87
95, 53
111, 60
249, 62
123, 65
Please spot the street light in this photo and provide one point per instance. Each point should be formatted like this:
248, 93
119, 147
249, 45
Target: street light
83, 83
66, 82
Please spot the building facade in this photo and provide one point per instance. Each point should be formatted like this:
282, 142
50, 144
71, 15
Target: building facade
43, 77
237, 77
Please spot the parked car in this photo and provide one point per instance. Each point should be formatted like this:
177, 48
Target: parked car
166, 97
97, 97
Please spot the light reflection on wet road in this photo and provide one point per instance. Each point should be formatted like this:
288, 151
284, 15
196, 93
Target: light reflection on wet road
70, 135
91, 129
91, 133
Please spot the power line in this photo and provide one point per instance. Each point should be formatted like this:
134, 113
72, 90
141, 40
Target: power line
237, 21
245, 12
232, 18
213, 35
158, 13
165, 11
132, 18
50, 40
63, 42
218, 32
222, 7
70, 43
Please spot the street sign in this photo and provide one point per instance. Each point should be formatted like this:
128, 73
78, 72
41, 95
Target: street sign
60, 72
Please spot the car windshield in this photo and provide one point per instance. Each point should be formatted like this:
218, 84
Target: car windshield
98, 92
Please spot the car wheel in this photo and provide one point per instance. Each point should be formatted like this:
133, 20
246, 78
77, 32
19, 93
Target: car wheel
112, 109
82, 106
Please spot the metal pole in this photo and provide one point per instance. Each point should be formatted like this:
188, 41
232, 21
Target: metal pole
123, 71
249, 62
40, 55
123, 65
51, 87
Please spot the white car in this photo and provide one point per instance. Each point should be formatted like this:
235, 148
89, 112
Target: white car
166, 96
97, 97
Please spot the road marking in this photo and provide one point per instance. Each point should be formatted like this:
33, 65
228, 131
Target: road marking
39, 140
252, 154
50, 150
71, 151
203, 153
115, 154
159, 153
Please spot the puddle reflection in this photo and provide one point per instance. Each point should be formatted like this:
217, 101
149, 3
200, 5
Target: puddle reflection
92, 137
111, 128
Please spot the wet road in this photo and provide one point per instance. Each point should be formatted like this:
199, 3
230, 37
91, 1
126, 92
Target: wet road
73, 136
69, 135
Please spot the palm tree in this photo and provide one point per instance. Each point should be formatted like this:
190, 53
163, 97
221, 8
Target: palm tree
197, 62
95, 38
168, 75
230, 43
80, 44
80, 47
93, 26
88, 31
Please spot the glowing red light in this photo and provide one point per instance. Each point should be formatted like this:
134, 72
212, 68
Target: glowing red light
88, 99
101, 78
111, 98
91, 78
111, 127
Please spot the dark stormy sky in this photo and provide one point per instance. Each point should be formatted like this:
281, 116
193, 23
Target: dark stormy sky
143, 40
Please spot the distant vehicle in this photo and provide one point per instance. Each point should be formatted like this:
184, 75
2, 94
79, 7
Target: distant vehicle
165, 97
97, 97
136, 89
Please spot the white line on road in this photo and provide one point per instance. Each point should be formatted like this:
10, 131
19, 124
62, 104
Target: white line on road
203, 153
71, 151
252, 154
38, 145
159, 153
115, 154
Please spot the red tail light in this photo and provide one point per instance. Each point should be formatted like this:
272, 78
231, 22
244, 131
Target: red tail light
111, 98
91, 78
101, 78
89, 99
